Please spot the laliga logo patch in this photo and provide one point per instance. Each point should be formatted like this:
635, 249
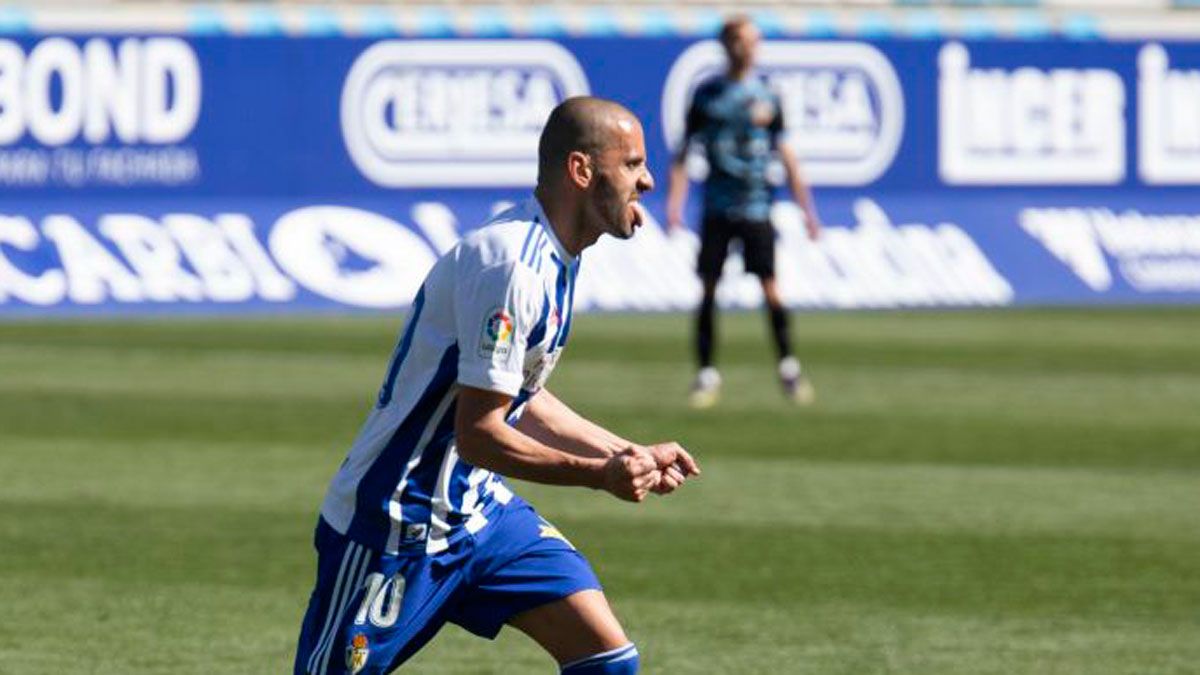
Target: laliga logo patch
497, 334
499, 327
461, 113
357, 653
842, 104
415, 532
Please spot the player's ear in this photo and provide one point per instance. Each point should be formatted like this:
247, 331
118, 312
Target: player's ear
579, 169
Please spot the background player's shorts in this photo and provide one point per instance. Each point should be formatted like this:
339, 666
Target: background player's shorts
758, 246
370, 612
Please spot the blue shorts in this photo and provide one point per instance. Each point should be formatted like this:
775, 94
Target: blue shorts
371, 612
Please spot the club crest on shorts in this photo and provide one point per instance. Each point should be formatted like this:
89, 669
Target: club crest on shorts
357, 653
415, 532
497, 334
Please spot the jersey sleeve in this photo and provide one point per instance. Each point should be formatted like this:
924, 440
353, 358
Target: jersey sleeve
495, 311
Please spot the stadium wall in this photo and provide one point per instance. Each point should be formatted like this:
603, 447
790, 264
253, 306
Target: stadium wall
164, 173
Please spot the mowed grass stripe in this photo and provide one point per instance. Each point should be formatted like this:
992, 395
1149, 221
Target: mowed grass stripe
847, 638
1152, 504
921, 390
1127, 341
1147, 399
101, 627
116, 415
229, 374
287, 478
1113, 340
788, 493
754, 563
362, 335
779, 430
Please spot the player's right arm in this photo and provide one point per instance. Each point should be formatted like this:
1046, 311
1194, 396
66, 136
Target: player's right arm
677, 177
548, 419
485, 439
677, 189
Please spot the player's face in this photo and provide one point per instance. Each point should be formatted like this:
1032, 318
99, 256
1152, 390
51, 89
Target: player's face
742, 46
621, 178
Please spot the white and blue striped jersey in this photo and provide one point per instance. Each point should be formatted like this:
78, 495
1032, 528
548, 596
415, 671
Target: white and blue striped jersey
493, 313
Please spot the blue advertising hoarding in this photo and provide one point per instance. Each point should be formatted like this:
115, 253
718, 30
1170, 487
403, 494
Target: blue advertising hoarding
162, 173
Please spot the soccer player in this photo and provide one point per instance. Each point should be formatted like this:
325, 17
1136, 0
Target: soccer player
418, 527
739, 122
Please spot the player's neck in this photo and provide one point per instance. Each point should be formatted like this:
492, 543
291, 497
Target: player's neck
564, 221
738, 75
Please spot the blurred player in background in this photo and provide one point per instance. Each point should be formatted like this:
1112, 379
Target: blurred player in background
739, 124
418, 527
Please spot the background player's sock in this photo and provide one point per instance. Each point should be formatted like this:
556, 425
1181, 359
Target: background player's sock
779, 329
619, 661
705, 328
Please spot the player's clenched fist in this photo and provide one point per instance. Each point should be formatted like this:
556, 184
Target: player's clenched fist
631, 473
675, 465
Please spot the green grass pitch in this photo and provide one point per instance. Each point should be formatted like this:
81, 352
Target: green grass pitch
974, 492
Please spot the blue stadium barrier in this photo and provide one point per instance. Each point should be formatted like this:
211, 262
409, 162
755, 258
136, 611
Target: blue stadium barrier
489, 22
546, 22
821, 24
949, 173
435, 22
321, 21
1081, 27
205, 21
977, 26
600, 22
263, 21
376, 22
14, 20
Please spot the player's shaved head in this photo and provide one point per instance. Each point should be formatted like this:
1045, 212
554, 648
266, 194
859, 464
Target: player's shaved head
592, 171
740, 38
584, 124
732, 25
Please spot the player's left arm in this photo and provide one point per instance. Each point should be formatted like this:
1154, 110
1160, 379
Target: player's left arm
551, 421
795, 177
